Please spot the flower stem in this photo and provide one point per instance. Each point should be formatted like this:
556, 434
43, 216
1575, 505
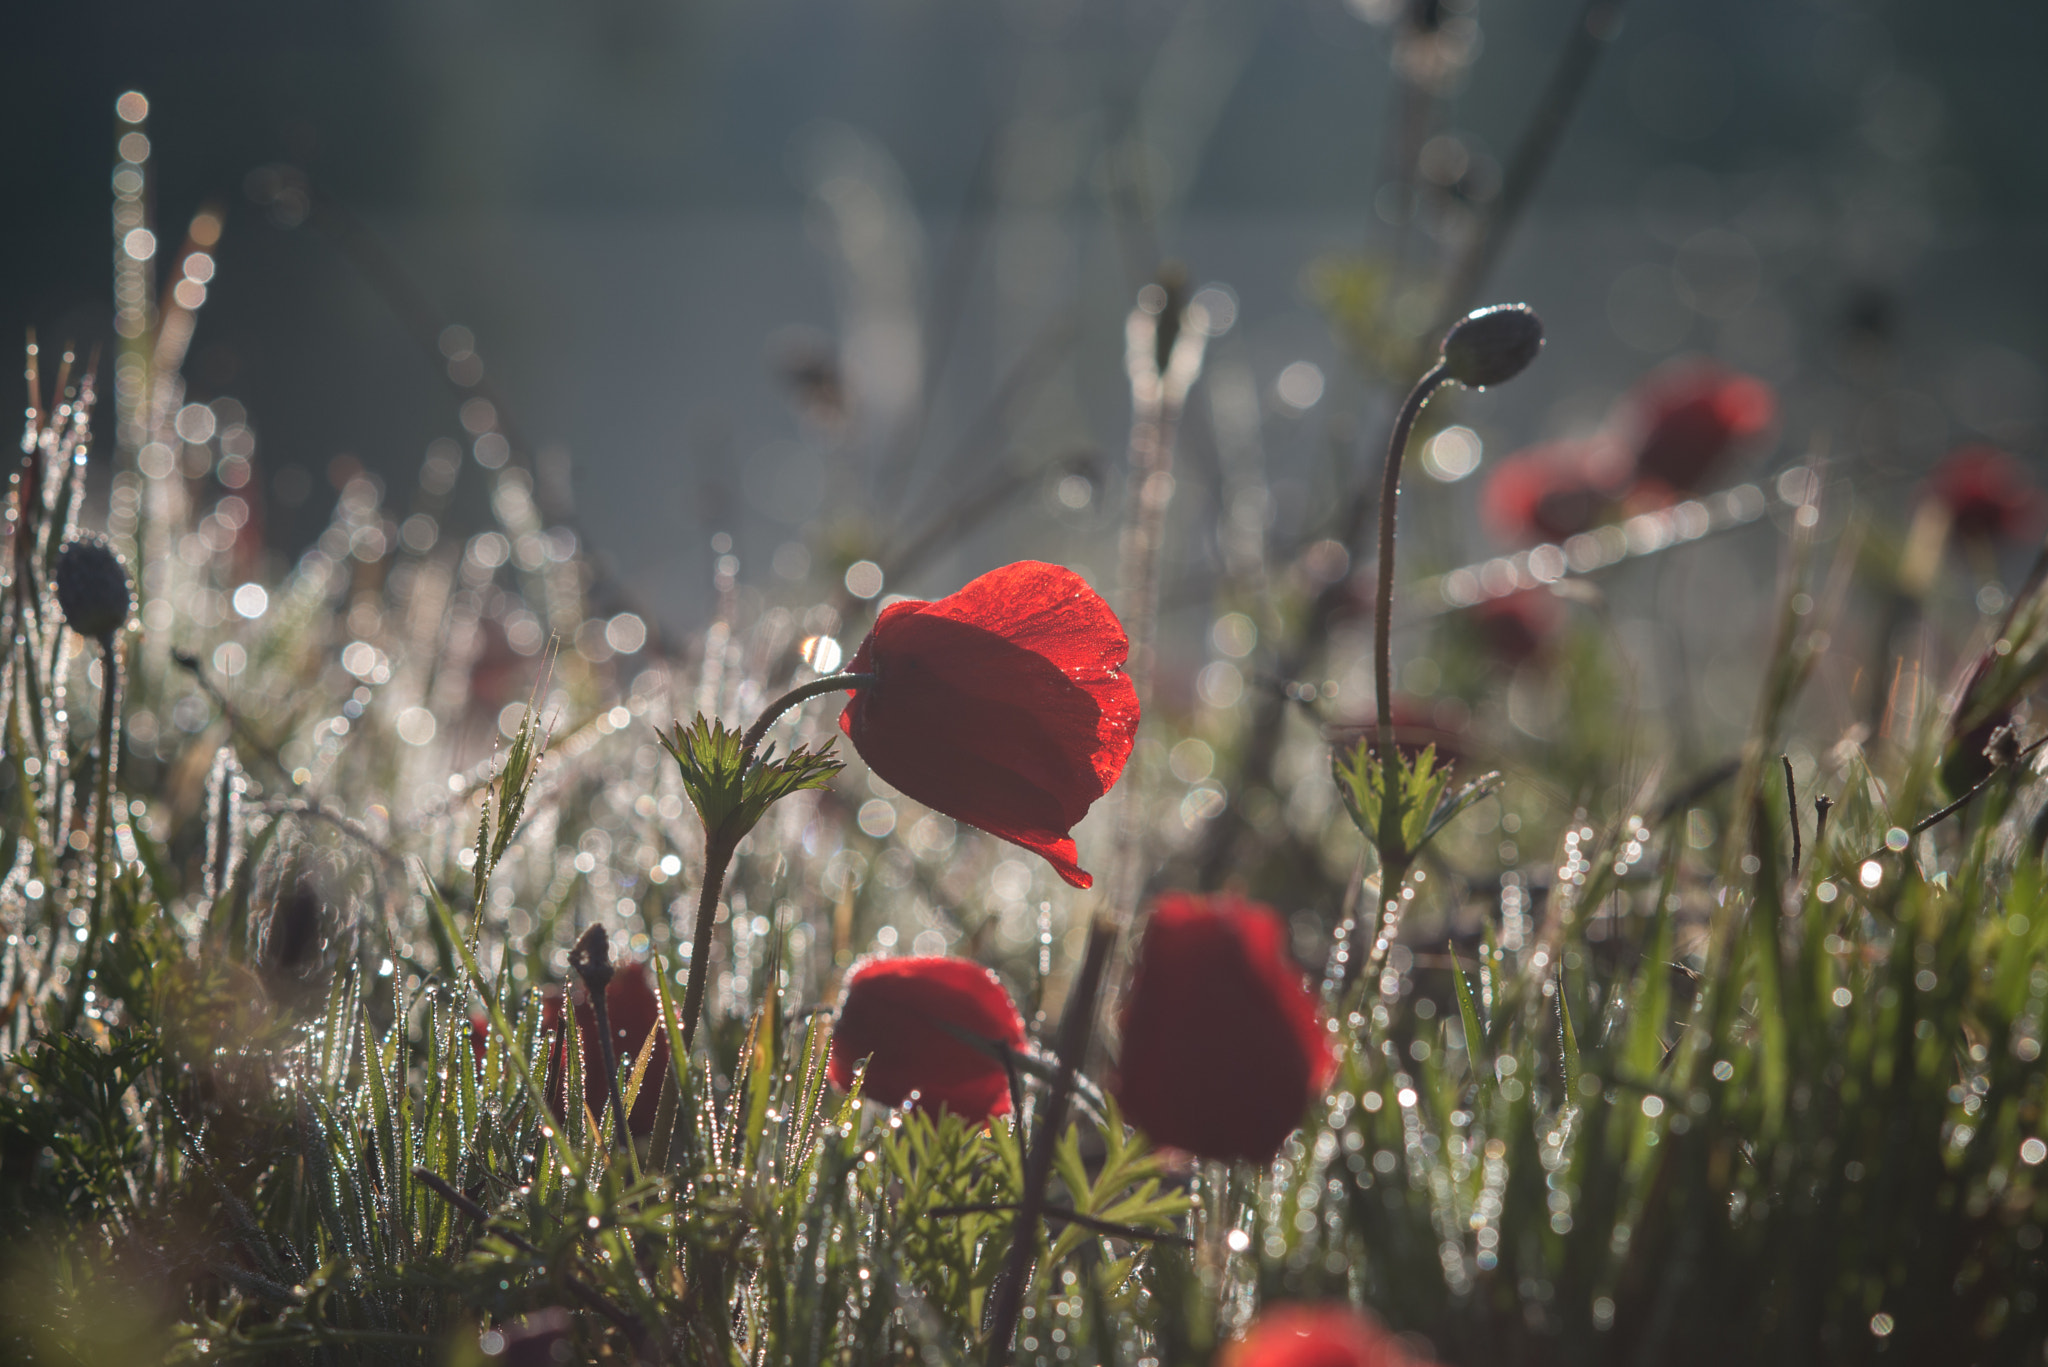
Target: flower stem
717, 855
719, 847
1393, 851
1077, 1028
103, 797
831, 683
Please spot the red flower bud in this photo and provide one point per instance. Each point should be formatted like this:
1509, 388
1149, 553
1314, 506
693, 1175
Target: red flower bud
1688, 420
1222, 1046
1317, 1336
1987, 494
1004, 705
906, 1016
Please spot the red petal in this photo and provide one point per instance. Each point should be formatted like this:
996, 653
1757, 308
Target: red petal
1004, 705
895, 1014
1222, 1047
1317, 1336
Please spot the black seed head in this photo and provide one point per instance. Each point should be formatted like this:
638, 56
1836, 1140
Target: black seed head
1492, 345
92, 588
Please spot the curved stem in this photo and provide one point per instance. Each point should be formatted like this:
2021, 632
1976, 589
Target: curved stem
1393, 854
831, 683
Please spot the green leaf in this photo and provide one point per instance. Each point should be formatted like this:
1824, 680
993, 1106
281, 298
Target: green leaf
1475, 1038
1427, 802
730, 793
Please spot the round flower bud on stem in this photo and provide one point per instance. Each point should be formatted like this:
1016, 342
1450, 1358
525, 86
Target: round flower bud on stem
1492, 345
592, 960
92, 588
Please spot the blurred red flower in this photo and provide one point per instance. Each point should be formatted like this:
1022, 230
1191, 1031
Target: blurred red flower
1685, 421
1004, 705
1516, 628
1222, 1046
902, 1015
1317, 1336
1987, 494
635, 1009
1547, 493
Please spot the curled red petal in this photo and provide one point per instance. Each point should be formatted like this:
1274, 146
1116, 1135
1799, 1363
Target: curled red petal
1004, 705
902, 1015
1222, 1045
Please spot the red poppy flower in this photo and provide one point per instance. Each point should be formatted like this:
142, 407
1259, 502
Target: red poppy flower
1547, 493
635, 1009
1222, 1047
1687, 421
906, 1016
1987, 494
1317, 1336
1518, 627
1004, 705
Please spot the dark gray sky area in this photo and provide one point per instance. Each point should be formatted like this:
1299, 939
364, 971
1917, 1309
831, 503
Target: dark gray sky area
644, 210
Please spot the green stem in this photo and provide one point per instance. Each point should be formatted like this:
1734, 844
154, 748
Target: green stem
831, 683
1077, 1028
717, 855
1393, 852
102, 822
719, 847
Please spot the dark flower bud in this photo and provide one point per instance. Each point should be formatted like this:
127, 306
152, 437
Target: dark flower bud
92, 588
592, 958
1492, 345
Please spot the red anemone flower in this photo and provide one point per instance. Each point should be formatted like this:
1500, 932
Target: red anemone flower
1987, 494
1004, 705
1687, 420
635, 1009
1516, 628
1317, 1336
1222, 1046
1547, 493
906, 1018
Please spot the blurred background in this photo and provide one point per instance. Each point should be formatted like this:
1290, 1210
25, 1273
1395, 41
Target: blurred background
791, 271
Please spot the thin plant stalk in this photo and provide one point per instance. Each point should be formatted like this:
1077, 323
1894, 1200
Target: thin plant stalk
1163, 351
1077, 1029
102, 821
719, 848
1393, 851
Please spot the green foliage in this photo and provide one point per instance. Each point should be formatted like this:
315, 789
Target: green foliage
1427, 801
732, 789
